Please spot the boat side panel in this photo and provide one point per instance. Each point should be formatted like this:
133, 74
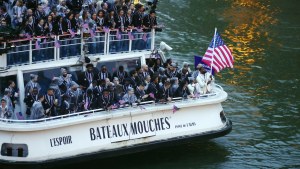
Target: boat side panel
115, 133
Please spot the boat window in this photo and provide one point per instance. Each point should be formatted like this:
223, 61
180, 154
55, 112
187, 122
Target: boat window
45, 77
14, 150
129, 64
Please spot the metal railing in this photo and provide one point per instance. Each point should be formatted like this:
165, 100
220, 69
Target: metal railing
85, 113
41, 49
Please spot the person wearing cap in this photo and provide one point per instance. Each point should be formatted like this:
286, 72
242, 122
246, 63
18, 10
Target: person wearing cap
32, 83
65, 78
172, 71
88, 76
105, 100
76, 95
164, 92
184, 74
5, 112
129, 97
30, 99
37, 109
204, 81
197, 71
140, 93
186, 65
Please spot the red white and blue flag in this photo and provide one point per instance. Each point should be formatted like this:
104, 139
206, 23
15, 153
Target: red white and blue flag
218, 54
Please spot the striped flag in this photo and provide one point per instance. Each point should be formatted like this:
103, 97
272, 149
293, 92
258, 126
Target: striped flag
218, 54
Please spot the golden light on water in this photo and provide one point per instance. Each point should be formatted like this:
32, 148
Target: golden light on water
249, 23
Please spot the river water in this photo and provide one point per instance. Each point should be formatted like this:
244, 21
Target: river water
263, 87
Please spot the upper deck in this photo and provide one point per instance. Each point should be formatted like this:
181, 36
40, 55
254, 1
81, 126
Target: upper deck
65, 50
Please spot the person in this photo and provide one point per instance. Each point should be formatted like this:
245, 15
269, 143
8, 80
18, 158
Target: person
5, 19
103, 74
65, 105
65, 78
150, 21
164, 92
50, 103
75, 94
133, 78
88, 76
137, 18
174, 84
121, 74
39, 29
18, 12
14, 93
129, 97
140, 93
153, 88
30, 99
5, 112
7, 98
182, 90
147, 81
184, 74
172, 71
32, 84
118, 88
204, 81
89, 101
105, 100
37, 109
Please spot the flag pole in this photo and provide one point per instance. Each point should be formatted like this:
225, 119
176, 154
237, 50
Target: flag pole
214, 44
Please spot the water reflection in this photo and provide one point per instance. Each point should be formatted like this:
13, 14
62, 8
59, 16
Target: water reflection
249, 23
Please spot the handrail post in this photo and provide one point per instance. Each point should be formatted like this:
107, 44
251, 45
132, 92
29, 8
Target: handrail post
152, 39
82, 43
58, 49
30, 51
107, 42
130, 41
55, 49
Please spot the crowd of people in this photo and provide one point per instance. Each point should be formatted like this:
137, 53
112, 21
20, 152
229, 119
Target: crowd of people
37, 18
101, 89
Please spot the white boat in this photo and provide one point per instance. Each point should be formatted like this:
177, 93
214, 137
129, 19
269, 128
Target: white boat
106, 133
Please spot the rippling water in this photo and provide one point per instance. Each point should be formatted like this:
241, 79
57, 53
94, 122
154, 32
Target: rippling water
264, 95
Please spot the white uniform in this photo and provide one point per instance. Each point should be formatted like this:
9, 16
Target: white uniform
5, 112
202, 85
37, 111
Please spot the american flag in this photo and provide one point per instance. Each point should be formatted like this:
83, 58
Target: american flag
220, 54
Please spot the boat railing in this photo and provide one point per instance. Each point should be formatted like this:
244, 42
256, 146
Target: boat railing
29, 50
122, 107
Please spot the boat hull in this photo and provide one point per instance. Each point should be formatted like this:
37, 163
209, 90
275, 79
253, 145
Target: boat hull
110, 133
